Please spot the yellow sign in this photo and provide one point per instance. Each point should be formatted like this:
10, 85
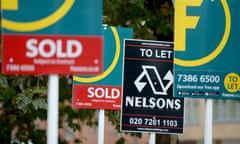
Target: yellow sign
232, 82
182, 22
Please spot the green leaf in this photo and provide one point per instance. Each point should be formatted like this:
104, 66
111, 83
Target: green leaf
39, 103
23, 101
3, 82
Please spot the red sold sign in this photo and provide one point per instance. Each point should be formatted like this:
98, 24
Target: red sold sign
55, 40
34, 54
94, 97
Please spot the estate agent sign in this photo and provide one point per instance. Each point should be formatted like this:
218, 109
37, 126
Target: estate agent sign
207, 49
52, 37
148, 104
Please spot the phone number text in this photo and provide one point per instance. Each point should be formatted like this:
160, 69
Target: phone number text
153, 121
198, 78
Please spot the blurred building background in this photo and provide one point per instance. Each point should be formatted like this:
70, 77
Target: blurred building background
226, 122
89, 135
226, 126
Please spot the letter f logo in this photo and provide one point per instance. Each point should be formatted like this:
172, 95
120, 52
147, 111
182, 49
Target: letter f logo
182, 22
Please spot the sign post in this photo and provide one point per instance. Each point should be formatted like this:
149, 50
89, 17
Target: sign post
152, 138
52, 112
101, 126
208, 122
148, 104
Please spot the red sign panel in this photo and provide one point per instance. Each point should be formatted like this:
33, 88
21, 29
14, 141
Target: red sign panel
97, 97
47, 54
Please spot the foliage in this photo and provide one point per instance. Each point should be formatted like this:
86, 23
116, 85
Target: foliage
22, 103
150, 19
23, 99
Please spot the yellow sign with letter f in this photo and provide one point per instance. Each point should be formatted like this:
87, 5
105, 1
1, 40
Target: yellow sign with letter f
182, 22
